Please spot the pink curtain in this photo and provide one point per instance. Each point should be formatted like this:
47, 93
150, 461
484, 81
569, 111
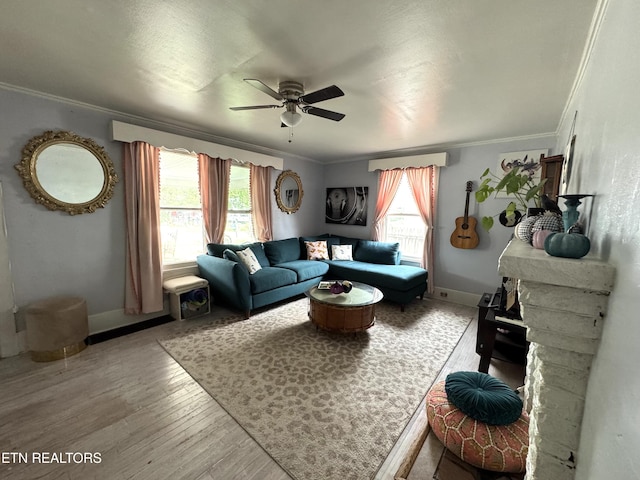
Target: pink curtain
260, 182
424, 185
143, 282
388, 183
214, 174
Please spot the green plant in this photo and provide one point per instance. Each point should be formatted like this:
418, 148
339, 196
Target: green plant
520, 185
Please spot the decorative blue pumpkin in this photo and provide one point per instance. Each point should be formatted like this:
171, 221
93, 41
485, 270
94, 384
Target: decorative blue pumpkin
568, 245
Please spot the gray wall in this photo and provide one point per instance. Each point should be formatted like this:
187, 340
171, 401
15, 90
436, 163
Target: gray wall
471, 271
53, 253
606, 163
350, 174
304, 221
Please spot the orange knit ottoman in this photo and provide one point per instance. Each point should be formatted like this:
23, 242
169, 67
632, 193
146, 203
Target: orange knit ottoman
499, 448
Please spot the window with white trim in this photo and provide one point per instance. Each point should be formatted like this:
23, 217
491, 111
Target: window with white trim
403, 223
181, 226
239, 228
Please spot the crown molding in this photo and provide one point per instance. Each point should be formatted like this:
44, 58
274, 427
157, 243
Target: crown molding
594, 31
441, 147
151, 123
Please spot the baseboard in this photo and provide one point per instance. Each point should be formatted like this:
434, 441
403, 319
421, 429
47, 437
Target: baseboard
113, 319
456, 296
126, 330
99, 324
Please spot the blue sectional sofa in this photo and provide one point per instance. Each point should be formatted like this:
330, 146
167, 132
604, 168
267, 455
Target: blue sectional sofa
285, 271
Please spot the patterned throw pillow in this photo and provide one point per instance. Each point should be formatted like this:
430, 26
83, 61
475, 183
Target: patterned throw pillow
341, 252
249, 260
317, 250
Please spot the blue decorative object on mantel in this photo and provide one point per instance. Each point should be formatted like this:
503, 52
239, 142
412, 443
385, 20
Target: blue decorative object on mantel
567, 245
570, 215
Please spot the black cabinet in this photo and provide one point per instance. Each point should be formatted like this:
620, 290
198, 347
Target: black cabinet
501, 334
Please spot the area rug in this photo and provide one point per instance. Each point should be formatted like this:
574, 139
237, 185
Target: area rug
323, 405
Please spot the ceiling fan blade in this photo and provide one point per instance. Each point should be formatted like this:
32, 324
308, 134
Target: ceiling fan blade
255, 107
321, 95
263, 88
321, 112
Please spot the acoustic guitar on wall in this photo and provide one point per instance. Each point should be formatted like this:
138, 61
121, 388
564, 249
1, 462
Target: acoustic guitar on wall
465, 235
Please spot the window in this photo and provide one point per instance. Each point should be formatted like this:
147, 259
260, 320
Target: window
239, 228
182, 228
403, 223
182, 232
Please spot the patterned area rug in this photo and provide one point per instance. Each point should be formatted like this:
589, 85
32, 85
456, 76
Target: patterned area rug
323, 405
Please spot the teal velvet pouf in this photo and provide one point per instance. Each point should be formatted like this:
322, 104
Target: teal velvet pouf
483, 397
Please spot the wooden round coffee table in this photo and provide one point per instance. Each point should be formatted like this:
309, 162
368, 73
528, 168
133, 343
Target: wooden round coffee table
344, 312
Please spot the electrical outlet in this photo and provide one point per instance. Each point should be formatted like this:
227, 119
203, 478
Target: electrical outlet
443, 294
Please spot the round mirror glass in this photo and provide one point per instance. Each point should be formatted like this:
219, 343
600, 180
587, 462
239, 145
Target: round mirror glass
288, 191
63, 171
69, 173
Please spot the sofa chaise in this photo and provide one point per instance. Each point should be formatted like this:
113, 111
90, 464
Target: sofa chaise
281, 269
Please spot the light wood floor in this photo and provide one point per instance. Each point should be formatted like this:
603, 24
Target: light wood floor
129, 403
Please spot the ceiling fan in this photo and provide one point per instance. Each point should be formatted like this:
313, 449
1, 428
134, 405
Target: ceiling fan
292, 96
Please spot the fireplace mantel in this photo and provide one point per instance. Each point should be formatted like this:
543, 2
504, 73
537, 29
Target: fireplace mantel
563, 303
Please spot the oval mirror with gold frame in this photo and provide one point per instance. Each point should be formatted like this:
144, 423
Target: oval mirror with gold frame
288, 191
64, 171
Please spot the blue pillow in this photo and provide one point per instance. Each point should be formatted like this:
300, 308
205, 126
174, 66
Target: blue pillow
233, 256
483, 397
230, 255
282, 251
218, 250
258, 251
348, 241
377, 252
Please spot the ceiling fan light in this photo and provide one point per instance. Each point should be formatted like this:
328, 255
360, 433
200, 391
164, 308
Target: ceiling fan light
290, 119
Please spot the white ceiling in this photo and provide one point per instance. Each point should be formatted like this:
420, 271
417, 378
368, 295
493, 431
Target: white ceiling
416, 74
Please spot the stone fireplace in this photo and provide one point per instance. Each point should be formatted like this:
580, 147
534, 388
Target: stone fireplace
563, 303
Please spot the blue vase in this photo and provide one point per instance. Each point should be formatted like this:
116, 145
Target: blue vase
571, 215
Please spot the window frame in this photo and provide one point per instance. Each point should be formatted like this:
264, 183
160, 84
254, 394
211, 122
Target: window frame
183, 263
248, 212
390, 214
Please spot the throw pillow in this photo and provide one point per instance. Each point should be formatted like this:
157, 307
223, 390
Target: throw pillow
385, 253
341, 252
483, 397
317, 250
231, 255
248, 258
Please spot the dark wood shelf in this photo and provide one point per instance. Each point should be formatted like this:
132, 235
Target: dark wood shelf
552, 171
498, 339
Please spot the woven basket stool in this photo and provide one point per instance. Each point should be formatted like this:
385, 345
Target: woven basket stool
57, 328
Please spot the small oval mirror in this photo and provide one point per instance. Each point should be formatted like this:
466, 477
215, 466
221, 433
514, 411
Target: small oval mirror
63, 171
288, 191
